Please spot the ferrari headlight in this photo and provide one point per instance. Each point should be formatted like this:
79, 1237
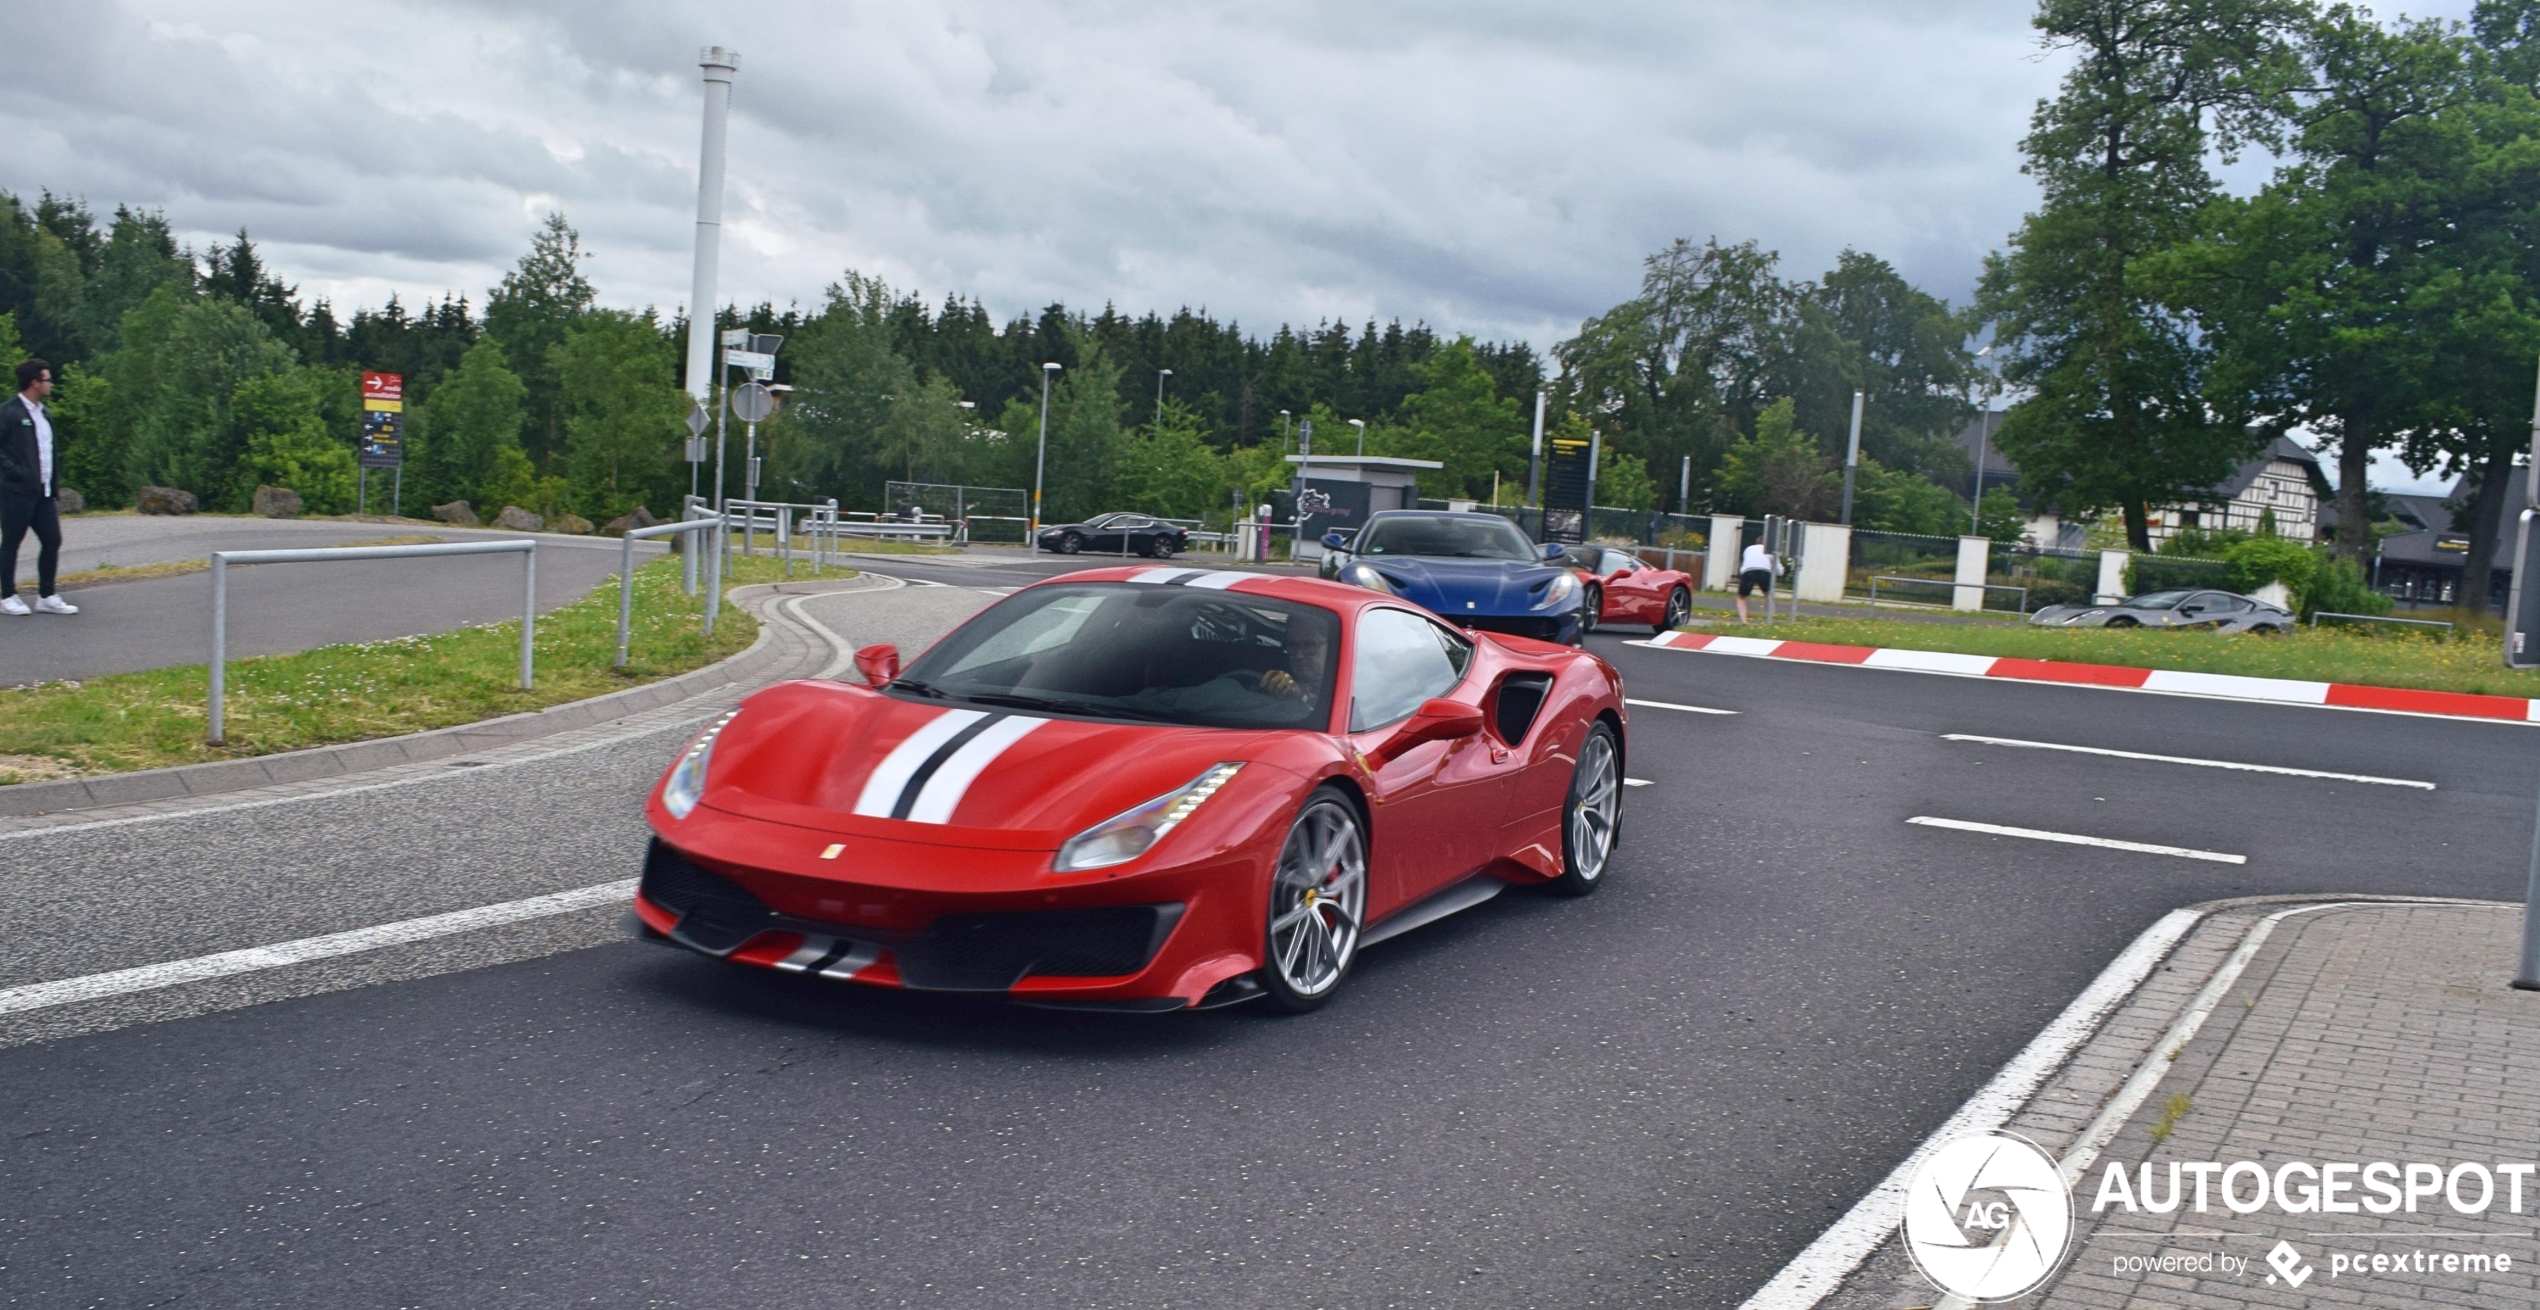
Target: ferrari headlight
1126, 836
1360, 575
687, 784
1564, 591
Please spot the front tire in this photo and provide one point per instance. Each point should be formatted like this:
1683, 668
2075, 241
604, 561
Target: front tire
1070, 543
1591, 609
2122, 621
1679, 606
1318, 903
1591, 819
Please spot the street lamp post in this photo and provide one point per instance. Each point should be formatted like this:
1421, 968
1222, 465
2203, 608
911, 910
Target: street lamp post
1284, 437
1041, 455
1361, 425
1160, 375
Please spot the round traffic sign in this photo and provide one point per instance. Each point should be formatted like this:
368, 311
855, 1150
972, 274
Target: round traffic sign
752, 402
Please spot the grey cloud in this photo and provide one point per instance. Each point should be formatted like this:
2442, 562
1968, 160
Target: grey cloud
1488, 166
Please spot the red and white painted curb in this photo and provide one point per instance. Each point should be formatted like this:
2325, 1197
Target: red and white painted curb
2284, 691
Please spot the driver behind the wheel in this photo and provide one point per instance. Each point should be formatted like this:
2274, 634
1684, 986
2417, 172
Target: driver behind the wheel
1309, 655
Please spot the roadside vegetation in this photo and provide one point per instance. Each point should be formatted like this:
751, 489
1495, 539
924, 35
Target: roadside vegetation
366, 690
2470, 660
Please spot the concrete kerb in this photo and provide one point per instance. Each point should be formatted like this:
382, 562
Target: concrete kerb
213, 777
1859, 1264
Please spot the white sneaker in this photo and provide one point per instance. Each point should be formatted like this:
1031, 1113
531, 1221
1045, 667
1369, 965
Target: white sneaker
55, 605
13, 605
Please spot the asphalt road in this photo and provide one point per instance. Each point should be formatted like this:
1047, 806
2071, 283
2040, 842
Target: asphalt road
164, 622
1654, 1095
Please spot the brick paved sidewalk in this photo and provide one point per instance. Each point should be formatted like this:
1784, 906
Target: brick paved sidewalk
2362, 1033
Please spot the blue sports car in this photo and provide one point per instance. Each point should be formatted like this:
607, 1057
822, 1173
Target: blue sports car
1476, 570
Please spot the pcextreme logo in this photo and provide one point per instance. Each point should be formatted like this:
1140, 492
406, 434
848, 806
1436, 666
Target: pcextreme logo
1988, 1217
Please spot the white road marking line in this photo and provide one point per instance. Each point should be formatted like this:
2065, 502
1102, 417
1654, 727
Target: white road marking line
1817, 1271
150, 977
1671, 705
2185, 759
2075, 839
1638, 782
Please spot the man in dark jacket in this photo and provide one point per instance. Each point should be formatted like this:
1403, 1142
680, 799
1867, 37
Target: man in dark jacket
30, 490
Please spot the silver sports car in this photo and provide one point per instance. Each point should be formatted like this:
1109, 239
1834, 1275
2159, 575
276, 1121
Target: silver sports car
2222, 611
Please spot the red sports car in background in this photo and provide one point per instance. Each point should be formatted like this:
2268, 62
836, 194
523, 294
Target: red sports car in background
1624, 588
1142, 789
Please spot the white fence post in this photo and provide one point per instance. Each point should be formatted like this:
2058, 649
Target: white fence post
1974, 553
2111, 577
1823, 564
1719, 558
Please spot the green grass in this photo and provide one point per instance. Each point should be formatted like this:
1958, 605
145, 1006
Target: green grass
2172, 1111
365, 690
2472, 661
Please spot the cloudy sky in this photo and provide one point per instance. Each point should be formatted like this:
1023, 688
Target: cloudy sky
1485, 165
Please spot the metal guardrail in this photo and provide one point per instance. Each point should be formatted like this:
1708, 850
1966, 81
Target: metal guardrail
222, 559
1952, 584
2317, 615
688, 575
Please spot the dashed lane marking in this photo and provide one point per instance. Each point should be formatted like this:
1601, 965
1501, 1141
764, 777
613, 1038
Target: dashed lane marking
2186, 759
282, 955
2076, 839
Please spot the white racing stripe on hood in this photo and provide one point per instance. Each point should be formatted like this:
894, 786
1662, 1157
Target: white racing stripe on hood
890, 777
953, 777
1221, 580
1163, 575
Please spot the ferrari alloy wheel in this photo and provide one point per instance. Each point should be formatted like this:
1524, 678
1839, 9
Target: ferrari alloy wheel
1163, 548
2123, 621
1679, 604
1069, 543
1594, 814
1318, 901
1591, 608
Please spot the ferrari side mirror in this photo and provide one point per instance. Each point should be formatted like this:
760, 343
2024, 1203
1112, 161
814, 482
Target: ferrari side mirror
1335, 541
878, 664
1437, 719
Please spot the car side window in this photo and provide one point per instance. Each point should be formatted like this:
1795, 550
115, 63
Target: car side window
1401, 660
1618, 562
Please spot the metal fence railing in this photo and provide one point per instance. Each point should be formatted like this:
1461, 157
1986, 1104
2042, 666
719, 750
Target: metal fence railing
2343, 619
1946, 592
2145, 573
2054, 575
222, 559
688, 575
954, 503
1895, 556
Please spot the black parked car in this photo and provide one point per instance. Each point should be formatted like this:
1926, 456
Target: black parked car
1114, 534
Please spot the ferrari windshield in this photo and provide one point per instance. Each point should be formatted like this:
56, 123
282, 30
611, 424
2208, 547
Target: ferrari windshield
2155, 600
1465, 536
1115, 650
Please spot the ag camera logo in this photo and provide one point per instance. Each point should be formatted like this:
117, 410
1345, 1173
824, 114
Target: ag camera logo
1988, 1217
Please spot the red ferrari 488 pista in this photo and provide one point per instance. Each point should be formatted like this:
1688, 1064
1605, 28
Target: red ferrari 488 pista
1143, 789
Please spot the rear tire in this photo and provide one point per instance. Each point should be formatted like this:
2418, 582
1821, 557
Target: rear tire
1591, 818
1679, 607
1160, 549
1318, 904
